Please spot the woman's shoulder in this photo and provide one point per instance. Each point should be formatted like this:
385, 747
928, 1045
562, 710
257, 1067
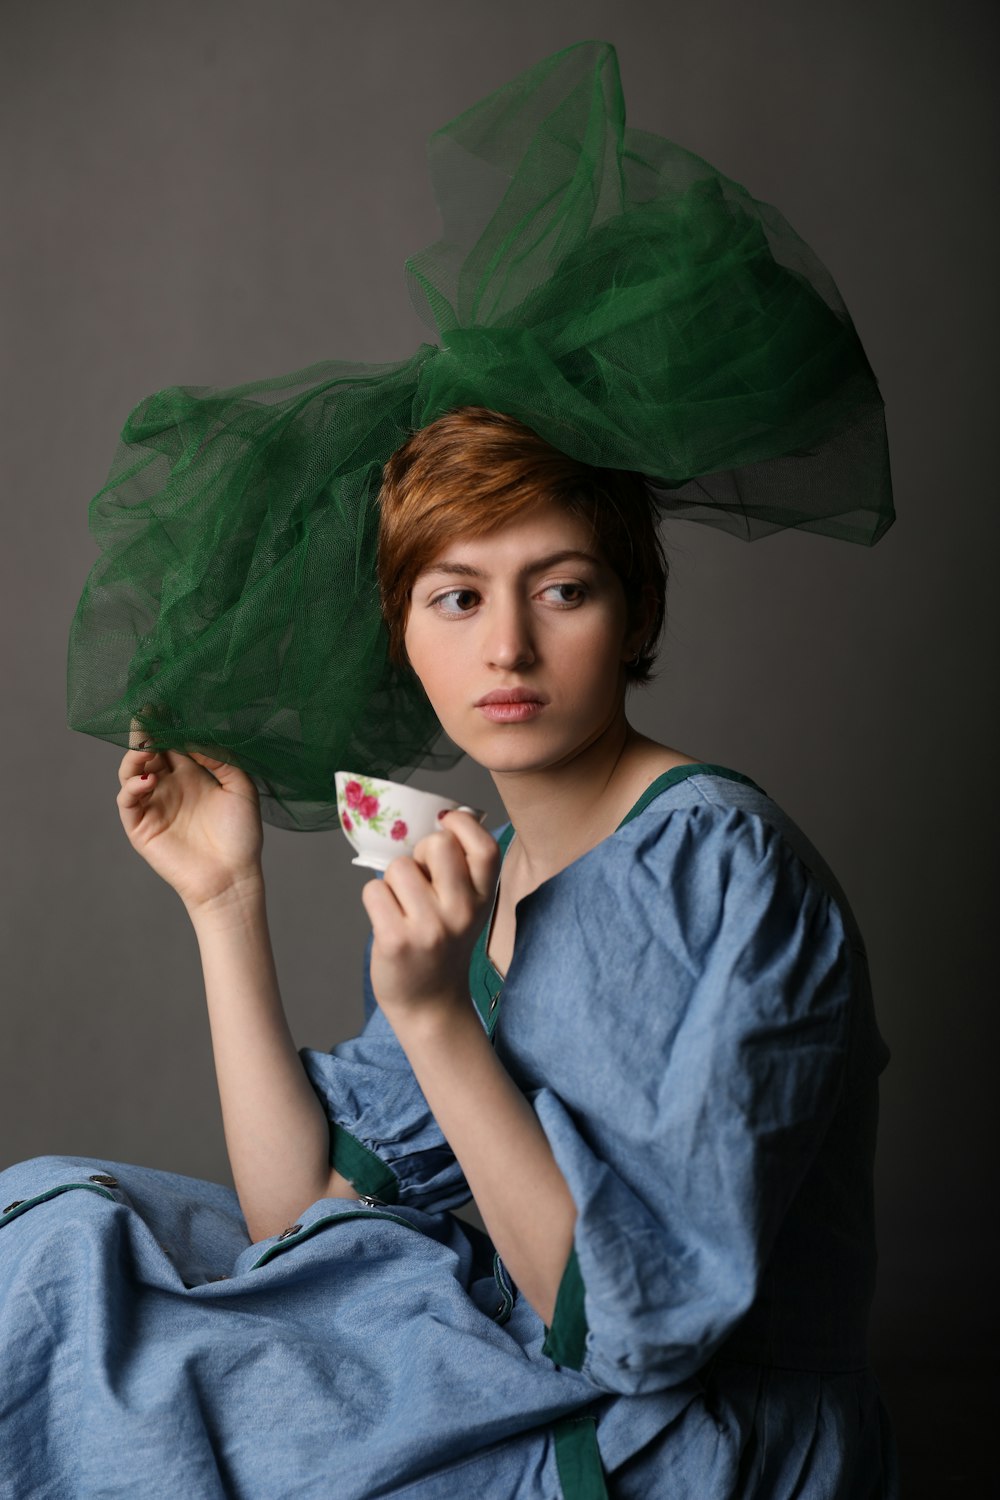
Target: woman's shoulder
688, 782
707, 881
714, 821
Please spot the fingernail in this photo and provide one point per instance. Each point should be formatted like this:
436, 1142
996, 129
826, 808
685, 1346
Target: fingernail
144, 776
443, 813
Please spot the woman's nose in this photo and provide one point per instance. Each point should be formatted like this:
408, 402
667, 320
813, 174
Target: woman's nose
508, 641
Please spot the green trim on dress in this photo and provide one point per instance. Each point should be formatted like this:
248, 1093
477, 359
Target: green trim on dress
565, 1340
681, 773
578, 1459
362, 1168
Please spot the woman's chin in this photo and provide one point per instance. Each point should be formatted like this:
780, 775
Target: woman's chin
507, 747
520, 753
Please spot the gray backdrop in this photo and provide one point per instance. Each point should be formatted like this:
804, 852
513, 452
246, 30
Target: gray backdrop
204, 193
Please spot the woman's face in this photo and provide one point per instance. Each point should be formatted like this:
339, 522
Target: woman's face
532, 610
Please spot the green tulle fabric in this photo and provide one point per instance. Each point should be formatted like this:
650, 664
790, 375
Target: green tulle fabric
622, 297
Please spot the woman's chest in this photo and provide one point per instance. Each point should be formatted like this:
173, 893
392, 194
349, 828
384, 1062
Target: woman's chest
500, 944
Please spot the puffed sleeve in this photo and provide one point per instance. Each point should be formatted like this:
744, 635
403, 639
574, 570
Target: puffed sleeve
383, 1137
709, 1042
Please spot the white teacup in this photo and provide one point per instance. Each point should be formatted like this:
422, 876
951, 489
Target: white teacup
382, 819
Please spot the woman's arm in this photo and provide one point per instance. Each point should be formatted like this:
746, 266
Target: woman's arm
425, 914
497, 1140
277, 1133
196, 822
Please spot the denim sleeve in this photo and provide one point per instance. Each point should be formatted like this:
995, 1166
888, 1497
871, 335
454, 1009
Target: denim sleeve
383, 1137
740, 980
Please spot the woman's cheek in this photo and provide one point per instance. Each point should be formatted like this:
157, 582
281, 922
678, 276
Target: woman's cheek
441, 685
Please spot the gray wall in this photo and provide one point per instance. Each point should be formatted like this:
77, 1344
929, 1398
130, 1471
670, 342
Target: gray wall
207, 192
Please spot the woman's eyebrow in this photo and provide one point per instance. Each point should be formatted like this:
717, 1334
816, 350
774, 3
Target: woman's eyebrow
466, 570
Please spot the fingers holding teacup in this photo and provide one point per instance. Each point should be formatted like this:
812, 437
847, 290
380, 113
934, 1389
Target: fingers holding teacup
442, 860
461, 807
480, 849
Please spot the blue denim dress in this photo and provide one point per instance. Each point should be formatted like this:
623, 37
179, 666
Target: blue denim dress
688, 1010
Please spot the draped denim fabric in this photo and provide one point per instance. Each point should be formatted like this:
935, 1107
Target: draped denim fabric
688, 1010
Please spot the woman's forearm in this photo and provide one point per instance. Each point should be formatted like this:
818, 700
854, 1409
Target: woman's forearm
503, 1151
277, 1133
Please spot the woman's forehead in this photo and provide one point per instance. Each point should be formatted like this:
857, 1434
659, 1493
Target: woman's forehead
537, 538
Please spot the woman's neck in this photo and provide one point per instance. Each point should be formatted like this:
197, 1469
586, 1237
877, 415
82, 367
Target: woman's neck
561, 812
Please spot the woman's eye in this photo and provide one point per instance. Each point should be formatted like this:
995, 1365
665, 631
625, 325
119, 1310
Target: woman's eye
456, 595
573, 588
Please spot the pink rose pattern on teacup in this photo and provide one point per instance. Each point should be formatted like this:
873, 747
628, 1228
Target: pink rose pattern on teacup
360, 803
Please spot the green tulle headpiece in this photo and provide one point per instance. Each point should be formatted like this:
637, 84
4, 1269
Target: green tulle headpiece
617, 294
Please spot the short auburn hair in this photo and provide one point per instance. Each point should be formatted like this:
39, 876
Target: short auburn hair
473, 470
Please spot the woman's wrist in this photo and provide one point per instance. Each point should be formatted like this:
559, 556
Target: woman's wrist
433, 1023
232, 904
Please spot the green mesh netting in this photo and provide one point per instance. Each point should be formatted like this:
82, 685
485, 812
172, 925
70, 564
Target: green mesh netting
616, 293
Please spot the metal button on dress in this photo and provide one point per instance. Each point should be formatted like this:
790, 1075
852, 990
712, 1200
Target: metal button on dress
369, 1201
104, 1178
16, 1204
493, 1003
292, 1229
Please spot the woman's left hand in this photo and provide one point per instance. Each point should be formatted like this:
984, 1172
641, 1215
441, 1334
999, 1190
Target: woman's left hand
426, 913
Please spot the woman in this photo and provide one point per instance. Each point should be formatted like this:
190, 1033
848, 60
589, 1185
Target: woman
663, 1093
665, 1111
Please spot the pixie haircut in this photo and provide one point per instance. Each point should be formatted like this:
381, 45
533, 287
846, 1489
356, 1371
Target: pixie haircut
471, 472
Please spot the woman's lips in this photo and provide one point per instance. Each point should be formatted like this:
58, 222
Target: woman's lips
511, 705
511, 713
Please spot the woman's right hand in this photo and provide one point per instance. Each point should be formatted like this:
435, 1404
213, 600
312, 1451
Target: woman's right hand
195, 820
